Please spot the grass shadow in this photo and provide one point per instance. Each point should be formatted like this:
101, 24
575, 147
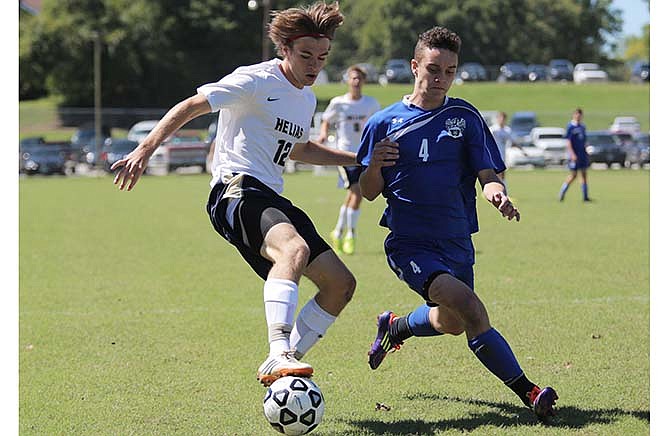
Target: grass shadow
499, 415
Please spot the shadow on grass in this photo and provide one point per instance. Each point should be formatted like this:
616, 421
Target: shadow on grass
501, 415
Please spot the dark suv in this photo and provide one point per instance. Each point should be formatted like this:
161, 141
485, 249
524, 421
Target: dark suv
640, 72
560, 69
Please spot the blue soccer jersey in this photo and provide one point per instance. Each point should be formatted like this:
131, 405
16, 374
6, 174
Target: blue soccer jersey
576, 133
430, 191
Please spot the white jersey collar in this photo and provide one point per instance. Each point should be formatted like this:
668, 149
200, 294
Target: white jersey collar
409, 104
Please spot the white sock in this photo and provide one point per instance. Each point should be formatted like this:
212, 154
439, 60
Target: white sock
352, 220
281, 299
341, 220
310, 326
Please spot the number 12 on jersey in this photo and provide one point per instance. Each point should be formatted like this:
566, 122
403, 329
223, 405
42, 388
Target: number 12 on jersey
282, 152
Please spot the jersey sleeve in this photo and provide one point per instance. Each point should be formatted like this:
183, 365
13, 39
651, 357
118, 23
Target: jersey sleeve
482, 147
330, 112
369, 138
232, 90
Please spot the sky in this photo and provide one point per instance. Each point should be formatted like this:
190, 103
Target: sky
635, 15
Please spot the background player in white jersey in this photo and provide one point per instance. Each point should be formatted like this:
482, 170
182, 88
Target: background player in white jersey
503, 136
424, 154
348, 113
265, 113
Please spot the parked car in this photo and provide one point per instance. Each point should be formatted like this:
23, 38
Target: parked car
471, 72
396, 71
636, 148
552, 142
537, 72
642, 141
116, 149
521, 124
560, 69
179, 151
602, 147
141, 130
47, 158
589, 72
524, 154
625, 125
515, 71
83, 140
640, 72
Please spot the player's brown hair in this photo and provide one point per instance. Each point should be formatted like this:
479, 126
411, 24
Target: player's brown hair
438, 37
319, 20
359, 70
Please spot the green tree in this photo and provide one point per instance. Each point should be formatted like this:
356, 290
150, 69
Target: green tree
154, 53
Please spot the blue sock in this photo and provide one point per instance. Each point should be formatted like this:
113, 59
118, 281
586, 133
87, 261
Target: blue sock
493, 351
419, 322
564, 189
585, 191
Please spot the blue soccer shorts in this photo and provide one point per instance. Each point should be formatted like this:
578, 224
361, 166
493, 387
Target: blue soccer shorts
349, 175
418, 262
579, 164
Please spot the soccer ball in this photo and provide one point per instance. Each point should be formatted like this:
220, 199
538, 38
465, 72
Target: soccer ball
293, 405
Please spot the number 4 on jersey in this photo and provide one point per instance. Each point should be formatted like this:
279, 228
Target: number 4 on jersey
423, 151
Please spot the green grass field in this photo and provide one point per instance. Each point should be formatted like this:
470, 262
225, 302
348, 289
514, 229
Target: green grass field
136, 318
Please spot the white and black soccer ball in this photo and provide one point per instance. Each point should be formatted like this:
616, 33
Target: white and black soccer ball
293, 405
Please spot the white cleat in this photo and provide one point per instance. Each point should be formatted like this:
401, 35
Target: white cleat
282, 365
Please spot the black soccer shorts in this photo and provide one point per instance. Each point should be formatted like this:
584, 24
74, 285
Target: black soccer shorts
253, 217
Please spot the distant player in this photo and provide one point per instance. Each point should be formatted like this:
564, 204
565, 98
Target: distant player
424, 155
578, 159
265, 112
348, 113
502, 133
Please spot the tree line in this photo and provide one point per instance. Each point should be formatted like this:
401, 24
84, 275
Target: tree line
157, 52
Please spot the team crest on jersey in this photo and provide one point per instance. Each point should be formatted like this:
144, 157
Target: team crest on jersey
455, 127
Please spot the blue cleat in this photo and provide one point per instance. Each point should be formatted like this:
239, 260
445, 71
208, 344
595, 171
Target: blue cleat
383, 343
542, 400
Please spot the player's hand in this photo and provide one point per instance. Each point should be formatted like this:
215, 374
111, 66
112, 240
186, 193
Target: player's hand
384, 154
505, 206
131, 168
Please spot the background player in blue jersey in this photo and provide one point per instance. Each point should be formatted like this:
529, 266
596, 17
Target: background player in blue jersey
424, 155
578, 159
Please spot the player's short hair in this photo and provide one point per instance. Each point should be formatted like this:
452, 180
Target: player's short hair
358, 69
438, 37
579, 111
319, 20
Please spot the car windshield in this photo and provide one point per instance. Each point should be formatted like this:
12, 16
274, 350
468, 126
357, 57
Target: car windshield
550, 136
123, 147
601, 140
523, 123
643, 139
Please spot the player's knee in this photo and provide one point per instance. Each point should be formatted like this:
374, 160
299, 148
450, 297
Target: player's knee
298, 251
348, 286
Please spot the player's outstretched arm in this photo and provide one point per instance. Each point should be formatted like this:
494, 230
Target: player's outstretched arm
132, 166
494, 191
318, 154
384, 154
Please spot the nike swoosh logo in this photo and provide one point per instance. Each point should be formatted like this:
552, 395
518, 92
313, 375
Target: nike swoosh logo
273, 99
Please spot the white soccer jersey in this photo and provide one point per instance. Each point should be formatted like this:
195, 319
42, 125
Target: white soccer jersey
349, 117
261, 116
503, 137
